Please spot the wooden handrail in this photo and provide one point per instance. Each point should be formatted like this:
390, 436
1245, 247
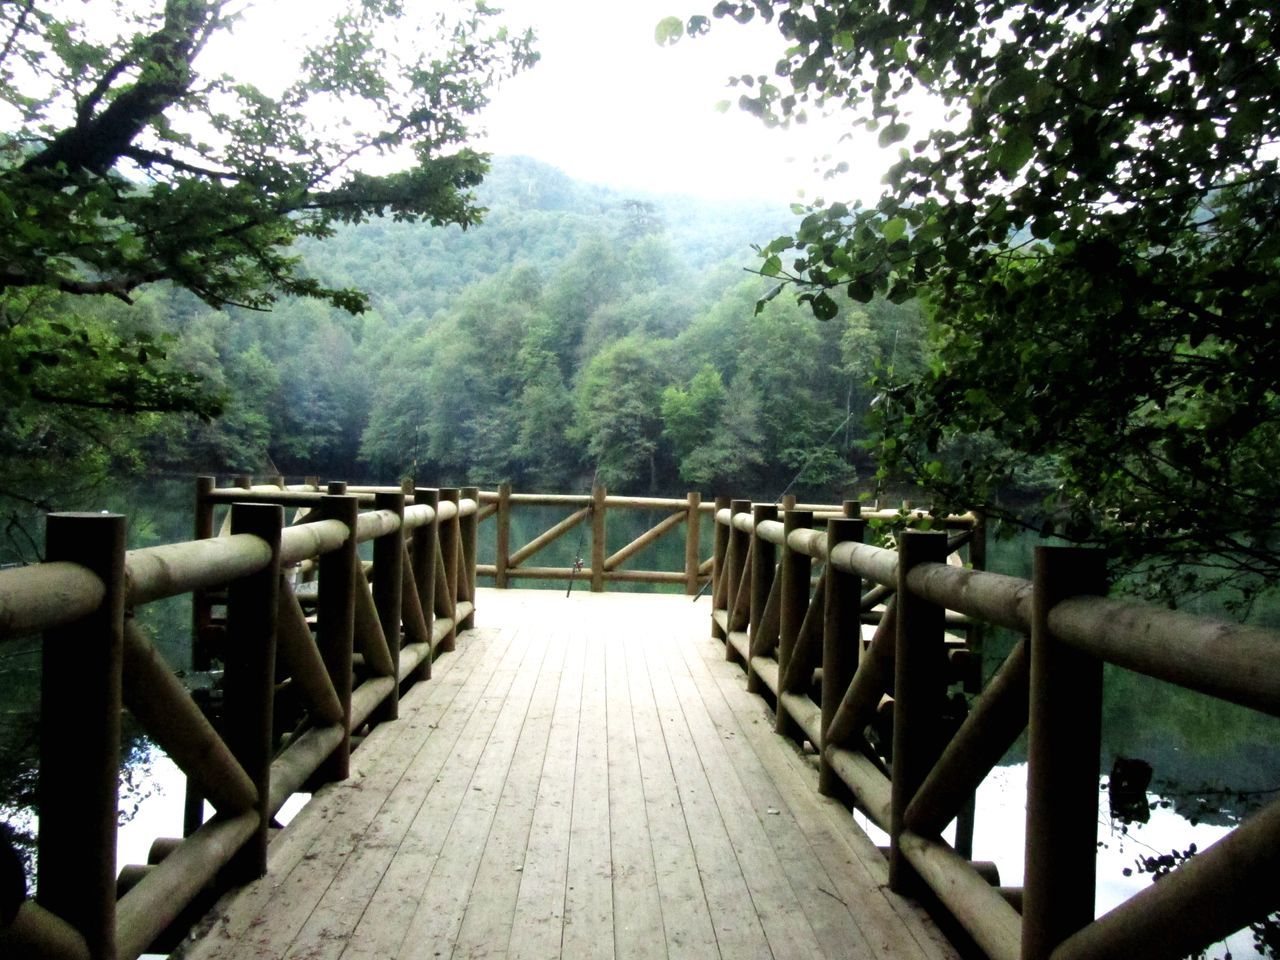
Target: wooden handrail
600, 566
85, 591
936, 774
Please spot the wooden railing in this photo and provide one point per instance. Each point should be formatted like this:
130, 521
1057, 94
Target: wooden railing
788, 635
302, 634
599, 566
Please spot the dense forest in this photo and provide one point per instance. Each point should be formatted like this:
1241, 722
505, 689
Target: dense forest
576, 333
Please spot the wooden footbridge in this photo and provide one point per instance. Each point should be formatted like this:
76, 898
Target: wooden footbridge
516, 773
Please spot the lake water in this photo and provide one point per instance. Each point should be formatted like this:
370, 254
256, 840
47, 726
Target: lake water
1211, 762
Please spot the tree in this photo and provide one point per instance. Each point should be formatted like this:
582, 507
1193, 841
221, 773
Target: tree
127, 162
617, 416
1094, 228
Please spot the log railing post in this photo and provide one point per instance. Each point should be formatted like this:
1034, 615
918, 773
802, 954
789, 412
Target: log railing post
719, 567
1063, 746
793, 601
919, 692
692, 543
974, 644
739, 545
201, 613
841, 638
388, 569
425, 540
469, 530
599, 532
249, 680
80, 737
335, 623
201, 638
449, 536
762, 571
503, 538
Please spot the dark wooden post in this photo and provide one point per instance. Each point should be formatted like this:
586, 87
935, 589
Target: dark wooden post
1064, 741
80, 736
719, 566
335, 623
762, 571
841, 638
449, 536
974, 643
692, 543
599, 532
425, 540
503, 553
919, 691
739, 545
200, 607
249, 681
793, 601
201, 639
469, 528
388, 569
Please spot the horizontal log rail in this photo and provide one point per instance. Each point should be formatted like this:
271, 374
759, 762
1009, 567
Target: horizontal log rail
803, 647
248, 615
599, 566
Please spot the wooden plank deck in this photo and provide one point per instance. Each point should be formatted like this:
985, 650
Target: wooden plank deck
584, 777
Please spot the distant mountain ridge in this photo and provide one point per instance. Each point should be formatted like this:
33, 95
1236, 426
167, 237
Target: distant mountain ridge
537, 215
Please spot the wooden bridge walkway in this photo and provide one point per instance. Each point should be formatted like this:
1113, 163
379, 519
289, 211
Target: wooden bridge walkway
583, 777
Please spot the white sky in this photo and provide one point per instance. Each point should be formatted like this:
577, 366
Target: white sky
607, 105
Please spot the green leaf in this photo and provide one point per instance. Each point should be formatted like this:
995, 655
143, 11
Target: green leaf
823, 306
893, 133
894, 230
668, 31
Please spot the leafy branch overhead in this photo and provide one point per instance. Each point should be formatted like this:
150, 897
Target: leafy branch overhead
125, 162
1091, 215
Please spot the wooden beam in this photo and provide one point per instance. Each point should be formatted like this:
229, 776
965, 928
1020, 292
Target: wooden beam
80, 735
340, 578
249, 679
841, 641
1063, 746
546, 537
298, 650
171, 718
919, 692
692, 544
996, 721
665, 526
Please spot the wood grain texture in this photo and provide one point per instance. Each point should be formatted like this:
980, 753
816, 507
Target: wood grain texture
583, 777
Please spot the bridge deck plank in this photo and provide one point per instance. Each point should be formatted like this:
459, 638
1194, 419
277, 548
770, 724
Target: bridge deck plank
584, 777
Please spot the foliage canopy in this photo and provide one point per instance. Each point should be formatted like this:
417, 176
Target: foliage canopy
1093, 225
124, 161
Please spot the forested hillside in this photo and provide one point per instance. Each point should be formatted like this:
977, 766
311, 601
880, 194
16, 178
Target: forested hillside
576, 332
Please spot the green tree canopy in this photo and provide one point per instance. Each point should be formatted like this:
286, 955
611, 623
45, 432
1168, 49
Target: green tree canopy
1094, 227
125, 161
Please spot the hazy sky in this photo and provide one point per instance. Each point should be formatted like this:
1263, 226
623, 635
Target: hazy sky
607, 104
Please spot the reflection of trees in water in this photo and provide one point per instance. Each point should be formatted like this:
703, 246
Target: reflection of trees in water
159, 512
